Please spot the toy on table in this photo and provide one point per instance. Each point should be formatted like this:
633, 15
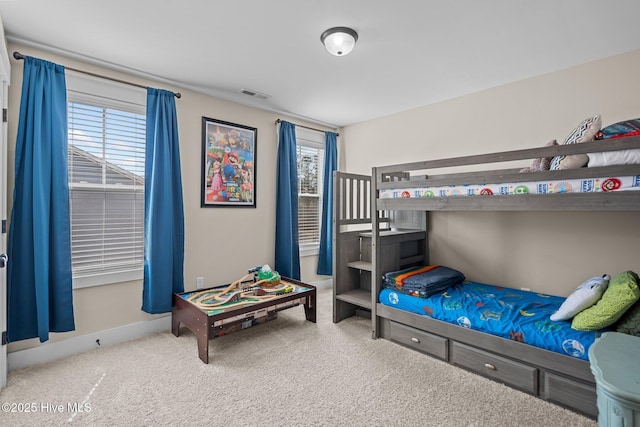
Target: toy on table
268, 278
266, 285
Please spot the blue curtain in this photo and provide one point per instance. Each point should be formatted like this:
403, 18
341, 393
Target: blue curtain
325, 257
163, 209
39, 286
287, 257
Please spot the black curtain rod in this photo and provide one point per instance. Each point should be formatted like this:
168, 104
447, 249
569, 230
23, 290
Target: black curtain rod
19, 56
306, 127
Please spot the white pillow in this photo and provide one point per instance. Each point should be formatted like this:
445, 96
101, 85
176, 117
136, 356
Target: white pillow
586, 295
609, 158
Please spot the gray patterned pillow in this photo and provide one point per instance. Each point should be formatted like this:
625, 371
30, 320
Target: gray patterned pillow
586, 131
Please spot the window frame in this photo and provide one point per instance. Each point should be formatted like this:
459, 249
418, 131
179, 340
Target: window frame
312, 139
103, 93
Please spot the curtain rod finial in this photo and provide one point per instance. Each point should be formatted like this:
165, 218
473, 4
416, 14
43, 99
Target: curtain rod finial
18, 55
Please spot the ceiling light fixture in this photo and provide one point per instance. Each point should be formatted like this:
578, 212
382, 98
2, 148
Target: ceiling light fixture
339, 41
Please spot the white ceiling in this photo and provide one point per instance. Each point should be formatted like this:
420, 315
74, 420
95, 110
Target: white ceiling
409, 53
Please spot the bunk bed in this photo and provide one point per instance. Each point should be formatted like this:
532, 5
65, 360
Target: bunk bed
398, 190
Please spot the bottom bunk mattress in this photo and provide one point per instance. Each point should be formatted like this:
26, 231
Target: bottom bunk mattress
509, 313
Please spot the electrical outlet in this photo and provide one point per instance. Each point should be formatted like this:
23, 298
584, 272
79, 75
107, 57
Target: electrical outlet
199, 282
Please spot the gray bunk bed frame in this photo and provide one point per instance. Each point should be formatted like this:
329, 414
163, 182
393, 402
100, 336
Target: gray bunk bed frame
551, 376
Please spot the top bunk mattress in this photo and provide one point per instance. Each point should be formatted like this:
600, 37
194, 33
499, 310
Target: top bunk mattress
508, 313
585, 185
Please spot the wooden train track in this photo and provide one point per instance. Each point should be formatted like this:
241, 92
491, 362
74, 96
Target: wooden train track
235, 292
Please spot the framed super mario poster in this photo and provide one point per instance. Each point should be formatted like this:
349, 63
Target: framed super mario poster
228, 164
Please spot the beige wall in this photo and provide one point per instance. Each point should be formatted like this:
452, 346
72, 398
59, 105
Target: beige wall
220, 243
547, 252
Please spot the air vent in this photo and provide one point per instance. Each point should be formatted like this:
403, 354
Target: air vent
256, 94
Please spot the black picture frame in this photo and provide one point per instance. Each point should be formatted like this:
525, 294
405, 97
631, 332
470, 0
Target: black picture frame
229, 154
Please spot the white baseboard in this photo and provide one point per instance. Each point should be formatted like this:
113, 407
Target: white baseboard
56, 350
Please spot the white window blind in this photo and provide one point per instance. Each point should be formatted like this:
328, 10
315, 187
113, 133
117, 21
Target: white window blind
310, 161
106, 148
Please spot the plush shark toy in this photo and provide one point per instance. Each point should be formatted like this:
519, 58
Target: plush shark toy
586, 295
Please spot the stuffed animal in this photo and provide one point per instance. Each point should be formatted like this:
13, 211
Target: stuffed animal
586, 295
541, 163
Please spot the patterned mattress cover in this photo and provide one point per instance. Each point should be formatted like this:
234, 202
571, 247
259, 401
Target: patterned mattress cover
508, 313
586, 185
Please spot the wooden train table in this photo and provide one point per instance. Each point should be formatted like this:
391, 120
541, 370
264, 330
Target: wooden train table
217, 311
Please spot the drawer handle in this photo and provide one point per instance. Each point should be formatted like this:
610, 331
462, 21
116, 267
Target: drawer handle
489, 366
414, 339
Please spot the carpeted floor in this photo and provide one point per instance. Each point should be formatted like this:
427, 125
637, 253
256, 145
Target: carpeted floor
287, 372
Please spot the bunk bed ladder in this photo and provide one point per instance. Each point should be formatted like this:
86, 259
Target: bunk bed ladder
357, 223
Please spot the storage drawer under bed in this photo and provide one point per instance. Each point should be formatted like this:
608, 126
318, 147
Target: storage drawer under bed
570, 393
419, 340
507, 371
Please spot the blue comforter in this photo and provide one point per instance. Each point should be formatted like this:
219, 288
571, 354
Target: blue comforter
509, 313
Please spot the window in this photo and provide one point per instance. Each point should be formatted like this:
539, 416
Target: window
106, 154
310, 161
